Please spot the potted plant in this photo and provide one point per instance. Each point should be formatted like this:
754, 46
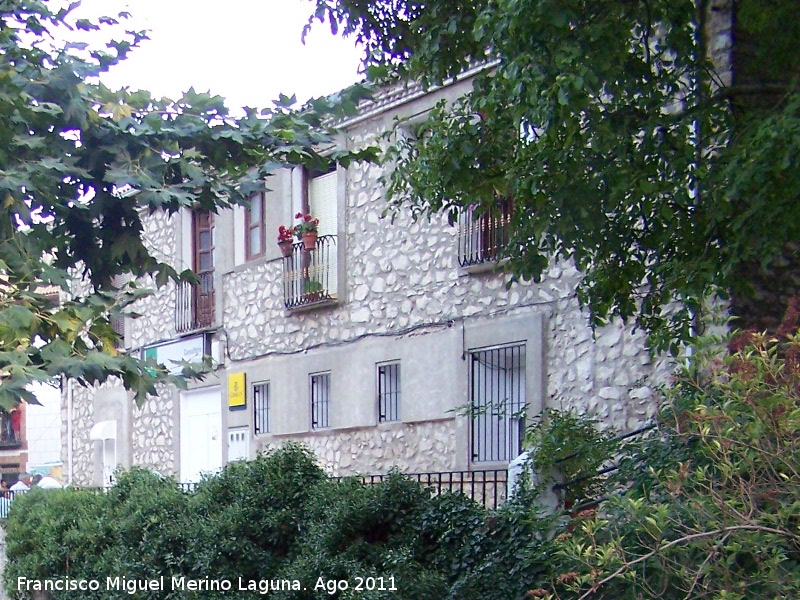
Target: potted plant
306, 230
312, 289
285, 240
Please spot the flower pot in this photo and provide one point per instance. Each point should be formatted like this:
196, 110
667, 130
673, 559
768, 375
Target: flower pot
286, 247
310, 240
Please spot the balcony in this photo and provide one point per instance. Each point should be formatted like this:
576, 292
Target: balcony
194, 304
482, 237
310, 277
9, 435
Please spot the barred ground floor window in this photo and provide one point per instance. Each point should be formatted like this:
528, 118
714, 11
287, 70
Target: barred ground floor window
497, 400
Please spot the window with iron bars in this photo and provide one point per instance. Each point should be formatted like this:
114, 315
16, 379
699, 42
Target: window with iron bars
261, 406
497, 395
320, 400
389, 392
483, 233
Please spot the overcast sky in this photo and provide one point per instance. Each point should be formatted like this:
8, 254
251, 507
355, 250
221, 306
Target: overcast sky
247, 51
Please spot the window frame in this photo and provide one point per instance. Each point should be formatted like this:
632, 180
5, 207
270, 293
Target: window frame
262, 407
388, 397
485, 448
250, 225
203, 222
312, 276
319, 393
202, 295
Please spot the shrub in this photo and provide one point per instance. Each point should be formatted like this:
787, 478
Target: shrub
368, 531
60, 533
569, 450
713, 507
252, 514
150, 528
279, 517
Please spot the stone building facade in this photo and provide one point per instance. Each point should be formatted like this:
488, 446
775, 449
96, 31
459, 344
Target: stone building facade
370, 348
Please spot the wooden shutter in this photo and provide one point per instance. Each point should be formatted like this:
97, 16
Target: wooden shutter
322, 202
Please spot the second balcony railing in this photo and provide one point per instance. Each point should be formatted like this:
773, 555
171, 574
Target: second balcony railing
310, 276
483, 237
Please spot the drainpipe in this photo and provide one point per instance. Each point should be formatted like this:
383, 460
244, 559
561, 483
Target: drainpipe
70, 410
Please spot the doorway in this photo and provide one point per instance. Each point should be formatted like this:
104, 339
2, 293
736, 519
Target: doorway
200, 433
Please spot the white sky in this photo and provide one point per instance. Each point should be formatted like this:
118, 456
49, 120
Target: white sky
247, 51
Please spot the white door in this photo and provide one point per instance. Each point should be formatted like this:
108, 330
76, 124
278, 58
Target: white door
200, 433
238, 444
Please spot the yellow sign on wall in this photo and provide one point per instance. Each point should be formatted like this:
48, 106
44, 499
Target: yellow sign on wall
237, 396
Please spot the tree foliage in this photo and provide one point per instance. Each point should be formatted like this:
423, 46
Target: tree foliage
82, 165
623, 145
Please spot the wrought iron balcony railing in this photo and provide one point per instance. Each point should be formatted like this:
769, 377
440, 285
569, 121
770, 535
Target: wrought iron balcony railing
194, 304
310, 276
482, 238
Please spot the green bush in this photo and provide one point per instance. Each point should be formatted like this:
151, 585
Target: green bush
280, 518
367, 531
250, 516
57, 533
150, 529
713, 506
569, 449
137, 530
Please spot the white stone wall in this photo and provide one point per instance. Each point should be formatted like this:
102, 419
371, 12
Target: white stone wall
719, 38
153, 432
157, 312
607, 374
409, 448
152, 435
79, 464
150, 442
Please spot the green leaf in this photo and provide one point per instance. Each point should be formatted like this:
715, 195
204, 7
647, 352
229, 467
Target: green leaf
18, 317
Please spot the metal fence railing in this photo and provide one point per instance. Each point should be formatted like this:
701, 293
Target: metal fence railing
488, 487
